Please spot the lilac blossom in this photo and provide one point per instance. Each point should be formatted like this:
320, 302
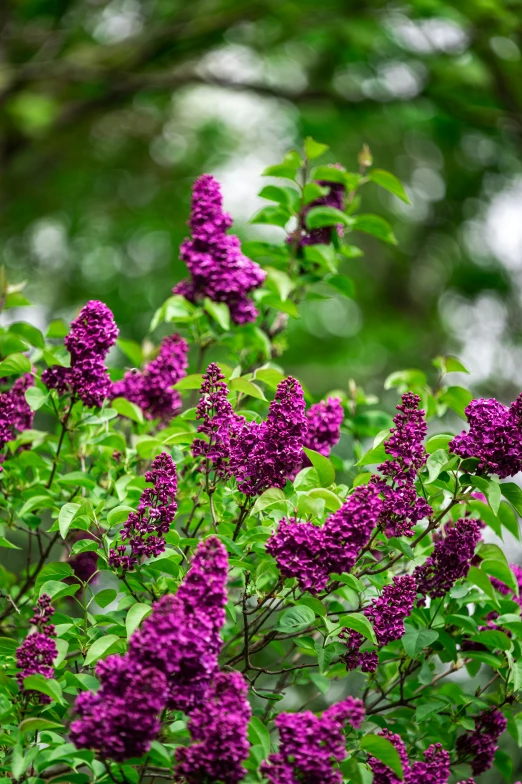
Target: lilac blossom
402, 507
450, 560
7, 417
145, 529
479, 746
38, 651
264, 454
151, 388
311, 553
218, 730
121, 719
494, 436
386, 614
324, 425
310, 746
22, 416
218, 422
505, 590
435, 769
218, 269
92, 335
182, 635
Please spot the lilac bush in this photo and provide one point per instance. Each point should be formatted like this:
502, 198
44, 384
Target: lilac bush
242, 586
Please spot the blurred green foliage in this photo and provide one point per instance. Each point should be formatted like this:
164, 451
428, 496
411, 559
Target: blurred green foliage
110, 109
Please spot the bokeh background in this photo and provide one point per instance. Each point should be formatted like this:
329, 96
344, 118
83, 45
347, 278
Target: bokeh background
110, 108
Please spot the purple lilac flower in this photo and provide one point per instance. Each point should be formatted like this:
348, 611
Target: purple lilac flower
324, 425
505, 590
434, 770
218, 730
144, 530
218, 269
7, 416
121, 719
151, 388
387, 615
218, 422
311, 745
494, 436
38, 651
480, 745
23, 416
182, 635
402, 507
92, 335
450, 560
311, 553
171, 662
334, 198
264, 454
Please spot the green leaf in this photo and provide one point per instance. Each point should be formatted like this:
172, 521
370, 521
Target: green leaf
15, 365
287, 197
7, 646
31, 334
376, 226
428, 709
402, 546
329, 174
258, 733
247, 388
493, 495
295, 619
38, 723
7, 544
342, 284
323, 466
314, 149
119, 514
359, 623
435, 463
480, 578
272, 216
278, 281
269, 376
219, 312
127, 409
331, 501
493, 638
47, 686
101, 648
65, 518
132, 351
56, 589
135, 616
270, 498
457, 398
105, 597
501, 571
36, 398
373, 456
319, 217
390, 182
385, 751
416, 640
513, 494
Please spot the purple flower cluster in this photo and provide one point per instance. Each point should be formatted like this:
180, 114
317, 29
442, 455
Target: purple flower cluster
479, 746
218, 422
218, 730
218, 269
311, 554
22, 416
334, 198
121, 719
402, 508
151, 388
387, 615
434, 770
182, 636
450, 560
92, 335
171, 662
38, 651
145, 529
494, 436
324, 425
311, 745
265, 454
